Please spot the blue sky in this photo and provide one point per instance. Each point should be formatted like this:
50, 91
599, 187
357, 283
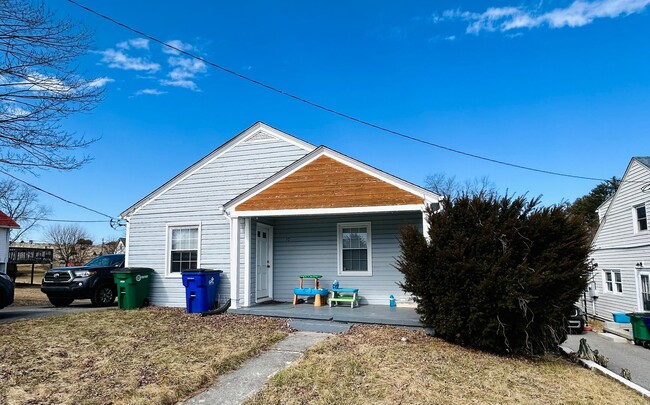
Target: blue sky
556, 85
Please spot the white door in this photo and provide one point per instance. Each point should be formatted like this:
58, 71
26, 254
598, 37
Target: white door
645, 290
264, 263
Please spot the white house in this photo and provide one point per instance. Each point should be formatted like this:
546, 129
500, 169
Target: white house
266, 207
6, 225
621, 247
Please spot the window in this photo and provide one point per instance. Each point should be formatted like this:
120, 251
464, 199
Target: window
183, 249
641, 218
613, 282
354, 245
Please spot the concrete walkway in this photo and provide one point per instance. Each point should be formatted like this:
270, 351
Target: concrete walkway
620, 355
243, 383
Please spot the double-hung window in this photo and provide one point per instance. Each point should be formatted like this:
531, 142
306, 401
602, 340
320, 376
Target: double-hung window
641, 218
613, 281
183, 249
354, 249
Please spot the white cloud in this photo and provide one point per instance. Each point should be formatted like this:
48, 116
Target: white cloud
577, 14
151, 92
177, 44
100, 82
184, 70
135, 43
120, 60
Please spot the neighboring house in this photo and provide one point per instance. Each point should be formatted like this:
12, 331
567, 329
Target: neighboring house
120, 247
6, 225
266, 207
621, 247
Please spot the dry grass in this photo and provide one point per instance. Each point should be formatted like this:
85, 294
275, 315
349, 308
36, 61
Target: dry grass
598, 326
30, 295
148, 356
383, 365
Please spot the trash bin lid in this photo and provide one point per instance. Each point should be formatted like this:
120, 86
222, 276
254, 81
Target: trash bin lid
201, 271
132, 270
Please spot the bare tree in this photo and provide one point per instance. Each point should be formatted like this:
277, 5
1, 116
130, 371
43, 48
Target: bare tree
451, 188
71, 243
21, 204
39, 87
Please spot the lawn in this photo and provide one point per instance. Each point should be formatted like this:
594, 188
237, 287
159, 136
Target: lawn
30, 295
384, 365
148, 356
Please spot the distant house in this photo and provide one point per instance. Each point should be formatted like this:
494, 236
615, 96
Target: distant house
621, 247
266, 207
6, 225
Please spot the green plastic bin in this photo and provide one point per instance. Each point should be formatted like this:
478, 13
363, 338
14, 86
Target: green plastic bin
640, 330
132, 286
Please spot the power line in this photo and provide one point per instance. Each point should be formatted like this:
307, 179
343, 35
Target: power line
64, 220
327, 109
57, 196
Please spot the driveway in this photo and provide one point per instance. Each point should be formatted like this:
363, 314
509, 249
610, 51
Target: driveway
620, 355
16, 313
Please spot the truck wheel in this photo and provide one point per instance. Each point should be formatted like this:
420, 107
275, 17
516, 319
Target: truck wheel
60, 302
103, 296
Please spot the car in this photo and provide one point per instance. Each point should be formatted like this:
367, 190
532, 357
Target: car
93, 280
576, 320
6, 291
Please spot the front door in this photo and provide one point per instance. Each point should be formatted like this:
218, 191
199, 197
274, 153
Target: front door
645, 290
264, 263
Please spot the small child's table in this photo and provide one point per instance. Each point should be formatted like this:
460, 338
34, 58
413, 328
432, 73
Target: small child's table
316, 292
350, 295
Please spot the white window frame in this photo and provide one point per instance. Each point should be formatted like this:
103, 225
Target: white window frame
339, 248
637, 227
614, 284
168, 246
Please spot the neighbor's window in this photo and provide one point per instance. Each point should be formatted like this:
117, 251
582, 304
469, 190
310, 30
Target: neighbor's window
613, 282
641, 218
183, 249
355, 254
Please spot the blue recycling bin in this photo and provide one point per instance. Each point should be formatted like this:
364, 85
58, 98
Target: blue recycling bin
200, 289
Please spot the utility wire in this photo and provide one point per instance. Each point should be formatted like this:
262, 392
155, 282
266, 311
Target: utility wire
328, 109
63, 220
57, 196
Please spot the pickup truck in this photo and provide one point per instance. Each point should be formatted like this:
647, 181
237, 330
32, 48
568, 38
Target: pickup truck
93, 280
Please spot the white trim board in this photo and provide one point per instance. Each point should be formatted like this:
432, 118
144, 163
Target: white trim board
322, 211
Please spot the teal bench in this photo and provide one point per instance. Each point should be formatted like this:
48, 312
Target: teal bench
350, 295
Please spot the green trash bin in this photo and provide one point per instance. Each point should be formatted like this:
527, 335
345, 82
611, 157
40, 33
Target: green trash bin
132, 286
640, 328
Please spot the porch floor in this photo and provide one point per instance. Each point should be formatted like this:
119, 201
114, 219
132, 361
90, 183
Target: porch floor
374, 314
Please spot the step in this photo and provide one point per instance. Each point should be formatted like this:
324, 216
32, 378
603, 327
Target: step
319, 326
627, 334
613, 338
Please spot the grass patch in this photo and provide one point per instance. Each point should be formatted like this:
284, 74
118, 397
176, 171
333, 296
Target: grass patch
30, 295
148, 356
384, 365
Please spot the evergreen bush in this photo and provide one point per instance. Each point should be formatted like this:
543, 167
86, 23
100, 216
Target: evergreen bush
498, 273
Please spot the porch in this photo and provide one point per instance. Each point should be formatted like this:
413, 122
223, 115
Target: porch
371, 314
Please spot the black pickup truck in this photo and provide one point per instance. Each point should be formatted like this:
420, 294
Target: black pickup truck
92, 280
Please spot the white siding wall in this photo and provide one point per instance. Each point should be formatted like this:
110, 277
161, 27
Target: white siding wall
308, 245
618, 247
195, 200
4, 249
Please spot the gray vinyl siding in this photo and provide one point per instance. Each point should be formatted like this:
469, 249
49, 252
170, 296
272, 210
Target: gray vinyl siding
194, 200
309, 245
618, 247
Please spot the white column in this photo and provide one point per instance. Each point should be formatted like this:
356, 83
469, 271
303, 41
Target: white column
234, 262
425, 225
247, 262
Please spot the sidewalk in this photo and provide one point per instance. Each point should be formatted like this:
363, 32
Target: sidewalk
243, 383
620, 355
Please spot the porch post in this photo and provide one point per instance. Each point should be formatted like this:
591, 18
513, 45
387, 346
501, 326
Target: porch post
425, 224
247, 262
234, 262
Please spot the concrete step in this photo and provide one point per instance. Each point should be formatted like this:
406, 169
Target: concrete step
613, 338
624, 332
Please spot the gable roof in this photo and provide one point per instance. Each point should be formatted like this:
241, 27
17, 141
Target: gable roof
644, 160
7, 222
309, 183
257, 129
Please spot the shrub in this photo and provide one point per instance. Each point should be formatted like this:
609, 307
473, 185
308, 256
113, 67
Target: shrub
498, 273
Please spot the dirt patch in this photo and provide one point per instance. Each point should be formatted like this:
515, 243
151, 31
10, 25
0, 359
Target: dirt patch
384, 365
148, 356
